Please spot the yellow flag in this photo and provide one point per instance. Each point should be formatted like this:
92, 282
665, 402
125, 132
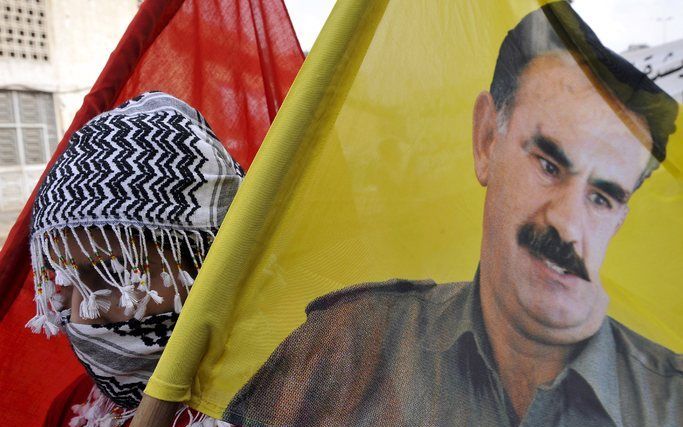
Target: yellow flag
368, 174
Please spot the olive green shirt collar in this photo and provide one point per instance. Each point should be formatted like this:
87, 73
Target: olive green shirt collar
596, 363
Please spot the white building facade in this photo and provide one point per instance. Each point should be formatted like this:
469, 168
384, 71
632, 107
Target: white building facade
51, 52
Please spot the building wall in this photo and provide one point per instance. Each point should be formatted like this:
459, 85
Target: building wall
79, 36
663, 64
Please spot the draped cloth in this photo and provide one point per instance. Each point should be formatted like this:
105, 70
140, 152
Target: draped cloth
367, 174
232, 60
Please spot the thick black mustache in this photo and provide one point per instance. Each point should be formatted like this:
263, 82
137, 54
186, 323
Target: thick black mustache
547, 243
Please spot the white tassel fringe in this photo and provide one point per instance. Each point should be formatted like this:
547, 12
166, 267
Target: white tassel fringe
177, 303
185, 278
116, 265
166, 279
61, 278
126, 271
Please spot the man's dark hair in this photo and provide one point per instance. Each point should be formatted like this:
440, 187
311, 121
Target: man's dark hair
555, 27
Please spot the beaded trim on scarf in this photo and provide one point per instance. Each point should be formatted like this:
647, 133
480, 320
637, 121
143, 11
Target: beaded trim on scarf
129, 275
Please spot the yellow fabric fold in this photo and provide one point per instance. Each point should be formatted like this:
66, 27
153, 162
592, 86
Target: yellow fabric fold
367, 174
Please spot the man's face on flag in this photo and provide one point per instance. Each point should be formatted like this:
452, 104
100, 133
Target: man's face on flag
559, 172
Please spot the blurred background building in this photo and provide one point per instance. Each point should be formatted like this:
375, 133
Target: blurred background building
663, 64
51, 51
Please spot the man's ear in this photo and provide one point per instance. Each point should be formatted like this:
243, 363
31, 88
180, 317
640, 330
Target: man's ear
484, 129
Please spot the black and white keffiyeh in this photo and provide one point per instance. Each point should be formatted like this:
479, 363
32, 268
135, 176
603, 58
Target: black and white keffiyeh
120, 357
151, 173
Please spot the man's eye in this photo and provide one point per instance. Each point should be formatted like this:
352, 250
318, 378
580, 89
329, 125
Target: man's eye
548, 167
600, 200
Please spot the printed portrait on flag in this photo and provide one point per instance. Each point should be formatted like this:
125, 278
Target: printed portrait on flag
567, 132
465, 213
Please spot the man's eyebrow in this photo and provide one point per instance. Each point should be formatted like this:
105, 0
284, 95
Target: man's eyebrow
612, 189
551, 149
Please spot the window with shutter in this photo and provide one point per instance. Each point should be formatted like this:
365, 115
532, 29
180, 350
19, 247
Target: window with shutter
28, 107
28, 131
9, 153
6, 110
34, 146
28, 136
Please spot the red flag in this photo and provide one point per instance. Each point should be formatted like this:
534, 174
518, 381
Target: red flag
232, 60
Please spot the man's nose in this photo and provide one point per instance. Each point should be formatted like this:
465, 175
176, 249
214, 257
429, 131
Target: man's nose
565, 212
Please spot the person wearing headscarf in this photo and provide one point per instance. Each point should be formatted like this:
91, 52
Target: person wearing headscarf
121, 225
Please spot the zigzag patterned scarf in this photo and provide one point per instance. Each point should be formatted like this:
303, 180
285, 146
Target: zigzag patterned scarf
147, 176
120, 357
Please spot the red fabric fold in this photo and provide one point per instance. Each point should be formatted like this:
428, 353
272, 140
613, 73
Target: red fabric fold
232, 60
